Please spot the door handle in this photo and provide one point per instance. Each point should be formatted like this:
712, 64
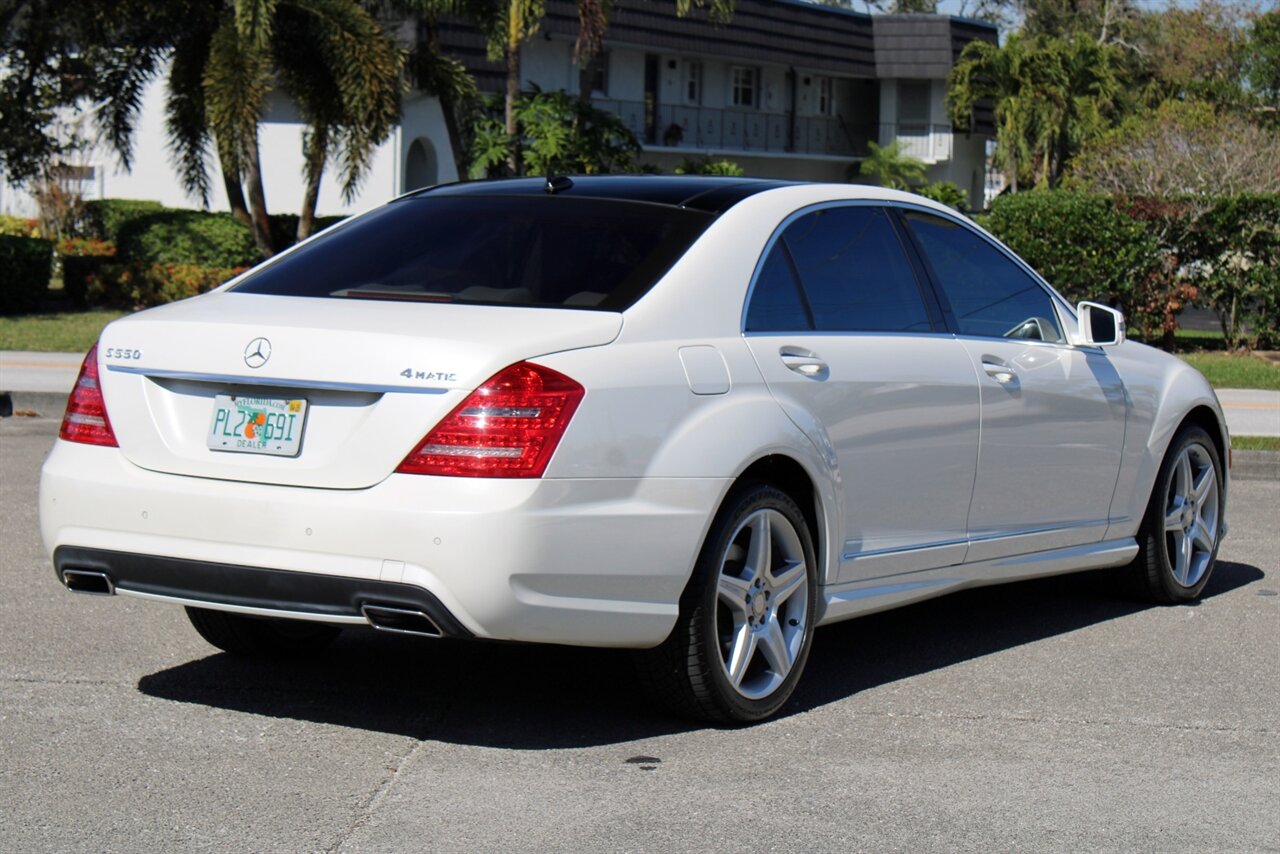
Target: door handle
803, 362
998, 370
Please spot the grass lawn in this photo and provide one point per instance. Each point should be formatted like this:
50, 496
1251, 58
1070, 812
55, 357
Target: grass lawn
1255, 443
63, 331
1227, 370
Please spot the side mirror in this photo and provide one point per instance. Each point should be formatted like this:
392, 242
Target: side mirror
1100, 326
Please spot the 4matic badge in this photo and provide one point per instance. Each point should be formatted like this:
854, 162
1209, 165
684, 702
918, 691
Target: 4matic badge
411, 374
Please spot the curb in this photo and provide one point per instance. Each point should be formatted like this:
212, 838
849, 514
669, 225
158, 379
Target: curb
1255, 465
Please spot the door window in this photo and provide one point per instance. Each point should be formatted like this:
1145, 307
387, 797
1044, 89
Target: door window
990, 295
854, 271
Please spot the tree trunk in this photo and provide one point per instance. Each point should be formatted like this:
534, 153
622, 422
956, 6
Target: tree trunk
513, 92
317, 150
235, 193
261, 225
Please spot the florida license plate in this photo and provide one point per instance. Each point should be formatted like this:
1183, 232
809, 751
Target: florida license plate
257, 425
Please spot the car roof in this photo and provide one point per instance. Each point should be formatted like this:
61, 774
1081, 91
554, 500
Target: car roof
710, 194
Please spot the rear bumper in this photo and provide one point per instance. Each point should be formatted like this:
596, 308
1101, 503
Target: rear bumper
585, 562
251, 590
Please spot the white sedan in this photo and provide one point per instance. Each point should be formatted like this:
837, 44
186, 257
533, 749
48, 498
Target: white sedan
695, 417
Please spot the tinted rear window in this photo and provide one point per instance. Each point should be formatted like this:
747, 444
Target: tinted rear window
529, 251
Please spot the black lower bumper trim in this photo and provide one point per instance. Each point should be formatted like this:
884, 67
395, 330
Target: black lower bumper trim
253, 587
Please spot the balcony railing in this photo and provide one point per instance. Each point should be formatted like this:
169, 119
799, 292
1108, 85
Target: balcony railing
930, 143
751, 131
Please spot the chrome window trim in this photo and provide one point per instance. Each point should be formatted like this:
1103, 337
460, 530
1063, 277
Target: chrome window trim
772, 241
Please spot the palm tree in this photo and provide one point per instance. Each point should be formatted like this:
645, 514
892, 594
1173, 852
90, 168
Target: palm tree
892, 167
329, 56
1003, 75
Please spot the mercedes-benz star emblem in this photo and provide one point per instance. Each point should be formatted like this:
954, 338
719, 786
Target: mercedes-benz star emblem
257, 353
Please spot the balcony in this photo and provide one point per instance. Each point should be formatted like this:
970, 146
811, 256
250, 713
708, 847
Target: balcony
754, 132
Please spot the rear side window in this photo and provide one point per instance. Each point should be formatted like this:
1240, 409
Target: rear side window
853, 273
515, 250
990, 295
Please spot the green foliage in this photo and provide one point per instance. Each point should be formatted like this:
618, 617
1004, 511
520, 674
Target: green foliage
891, 167
139, 285
80, 259
1052, 96
16, 226
1263, 60
187, 237
106, 218
1234, 247
561, 135
1088, 249
946, 193
707, 166
1151, 258
27, 263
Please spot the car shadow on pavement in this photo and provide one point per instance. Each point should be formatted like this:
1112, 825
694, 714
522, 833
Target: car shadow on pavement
542, 697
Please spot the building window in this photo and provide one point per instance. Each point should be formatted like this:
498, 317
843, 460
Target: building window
913, 105
826, 98
600, 74
692, 82
746, 86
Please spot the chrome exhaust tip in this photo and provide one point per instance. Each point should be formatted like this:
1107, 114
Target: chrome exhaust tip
405, 621
88, 581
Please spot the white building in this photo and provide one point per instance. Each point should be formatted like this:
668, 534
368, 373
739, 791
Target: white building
788, 89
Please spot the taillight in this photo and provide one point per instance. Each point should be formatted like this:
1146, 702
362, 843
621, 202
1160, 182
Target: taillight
508, 427
86, 419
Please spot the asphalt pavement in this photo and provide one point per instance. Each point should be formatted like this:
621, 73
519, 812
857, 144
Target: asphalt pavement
1041, 716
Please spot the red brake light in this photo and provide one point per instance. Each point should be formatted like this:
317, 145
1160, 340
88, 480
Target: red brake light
508, 427
86, 419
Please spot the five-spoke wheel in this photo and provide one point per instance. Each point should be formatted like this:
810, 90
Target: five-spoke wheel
1178, 543
746, 618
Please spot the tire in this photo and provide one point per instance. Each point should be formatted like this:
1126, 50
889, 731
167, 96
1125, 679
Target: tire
261, 637
744, 632
1180, 533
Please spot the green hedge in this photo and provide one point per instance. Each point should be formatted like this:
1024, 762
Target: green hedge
25, 266
162, 254
1151, 258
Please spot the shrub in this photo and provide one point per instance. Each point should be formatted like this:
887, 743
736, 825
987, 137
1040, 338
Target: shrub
947, 193
707, 166
1088, 249
81, 258
1233, 248
136, 286
16, 226
187, 237
26, 263
105, 218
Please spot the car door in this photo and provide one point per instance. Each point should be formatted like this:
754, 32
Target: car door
849, 344
1053, 415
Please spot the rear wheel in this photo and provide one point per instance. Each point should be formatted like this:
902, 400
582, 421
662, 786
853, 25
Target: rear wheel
746, 618
1178, 541
260, 636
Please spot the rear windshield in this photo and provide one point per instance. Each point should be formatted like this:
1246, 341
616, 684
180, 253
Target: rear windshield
512, 250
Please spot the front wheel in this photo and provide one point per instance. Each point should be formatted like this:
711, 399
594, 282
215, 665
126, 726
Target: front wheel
1178, 541
746, 618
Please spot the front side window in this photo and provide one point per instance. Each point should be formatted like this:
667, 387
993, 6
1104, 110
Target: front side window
990, 295
745, 85
853, 273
